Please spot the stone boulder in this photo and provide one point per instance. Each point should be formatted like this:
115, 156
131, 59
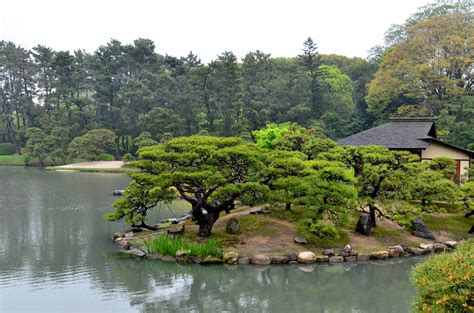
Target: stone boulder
395, 251
350, 258
347, 249
415, 251
136, 252
336, 259
451, 243
243, 260
118, 235
211, 260
301, 240
232, 226
230, 257
440, 247
291, 256
329, 252
420, 229
428, 247
260, 259
124, 244
182, 253
362, 257
322, 258
153, 256
364, 225
280, 259
195, 259
306, 257
379, 255
168, 258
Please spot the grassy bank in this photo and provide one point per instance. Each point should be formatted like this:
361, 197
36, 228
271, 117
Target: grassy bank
14, 159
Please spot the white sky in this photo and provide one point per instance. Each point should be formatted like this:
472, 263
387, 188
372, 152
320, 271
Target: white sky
206, 27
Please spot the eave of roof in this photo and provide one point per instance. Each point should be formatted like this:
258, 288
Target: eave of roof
469, 152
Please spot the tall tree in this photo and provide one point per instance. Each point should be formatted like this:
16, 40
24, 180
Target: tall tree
311, 62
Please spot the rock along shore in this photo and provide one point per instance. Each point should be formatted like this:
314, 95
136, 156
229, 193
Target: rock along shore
346, 254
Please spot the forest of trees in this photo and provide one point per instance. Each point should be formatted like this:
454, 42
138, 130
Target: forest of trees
48, 97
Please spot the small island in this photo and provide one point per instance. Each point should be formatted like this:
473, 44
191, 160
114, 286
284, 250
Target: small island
292, 197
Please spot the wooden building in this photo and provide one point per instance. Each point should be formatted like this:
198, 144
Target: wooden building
417, 135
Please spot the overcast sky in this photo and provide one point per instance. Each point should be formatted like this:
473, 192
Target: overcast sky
206, 27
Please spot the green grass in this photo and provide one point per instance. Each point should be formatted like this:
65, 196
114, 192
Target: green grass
386, 234
256, 225
167, 245
455, 224
294, 215
12, 159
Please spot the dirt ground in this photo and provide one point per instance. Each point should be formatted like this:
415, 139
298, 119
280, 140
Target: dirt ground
273, 236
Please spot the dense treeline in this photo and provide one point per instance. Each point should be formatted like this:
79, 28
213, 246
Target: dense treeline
129, 89
138, 93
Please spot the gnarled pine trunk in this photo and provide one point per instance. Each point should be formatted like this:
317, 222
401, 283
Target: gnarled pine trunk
205, 219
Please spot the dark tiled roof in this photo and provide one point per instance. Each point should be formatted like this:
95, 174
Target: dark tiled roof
397, 134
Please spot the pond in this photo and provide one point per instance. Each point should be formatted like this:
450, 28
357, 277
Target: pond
56, 255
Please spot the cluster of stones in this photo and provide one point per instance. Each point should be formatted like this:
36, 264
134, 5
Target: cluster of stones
347, 254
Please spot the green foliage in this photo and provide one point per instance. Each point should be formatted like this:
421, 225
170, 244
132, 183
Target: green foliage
401, 212
414, 79
319, 229
38, 145
105, 157
267, 138
167, 245
211, 173
445, 281
144, 140
431, 185
140, 196
7, 148
92, 144
127, 157
444, 165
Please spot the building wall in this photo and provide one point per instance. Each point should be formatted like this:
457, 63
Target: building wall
435, 150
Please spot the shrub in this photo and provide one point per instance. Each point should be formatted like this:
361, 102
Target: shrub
402, 213
7, 148
105, 157
167, 245
445, 281
319, 229
127, 157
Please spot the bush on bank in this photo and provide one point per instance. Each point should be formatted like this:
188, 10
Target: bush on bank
445, 282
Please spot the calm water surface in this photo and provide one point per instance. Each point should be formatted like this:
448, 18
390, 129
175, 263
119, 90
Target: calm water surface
56, 256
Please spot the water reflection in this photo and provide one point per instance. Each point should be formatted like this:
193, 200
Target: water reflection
55, 251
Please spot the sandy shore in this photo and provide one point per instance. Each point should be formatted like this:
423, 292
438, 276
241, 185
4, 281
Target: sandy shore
93, 165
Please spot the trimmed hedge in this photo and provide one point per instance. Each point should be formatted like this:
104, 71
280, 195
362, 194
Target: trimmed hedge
105, 157
7, 148
446, 282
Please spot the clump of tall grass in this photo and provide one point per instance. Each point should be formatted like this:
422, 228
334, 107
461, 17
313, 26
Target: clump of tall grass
168, 245
445, 282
